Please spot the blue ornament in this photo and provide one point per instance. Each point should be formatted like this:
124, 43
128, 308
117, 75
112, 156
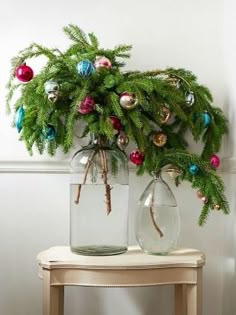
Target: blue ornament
19, 118
206, 119
193, 169
85, 68
49, 133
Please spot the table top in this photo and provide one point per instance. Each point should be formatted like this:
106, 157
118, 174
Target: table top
134, 258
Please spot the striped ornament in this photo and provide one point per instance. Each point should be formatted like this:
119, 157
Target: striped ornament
85, 68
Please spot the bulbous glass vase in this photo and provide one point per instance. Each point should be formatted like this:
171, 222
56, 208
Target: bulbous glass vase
99, 201
158, 220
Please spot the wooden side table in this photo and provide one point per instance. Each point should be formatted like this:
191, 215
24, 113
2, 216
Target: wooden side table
183, 268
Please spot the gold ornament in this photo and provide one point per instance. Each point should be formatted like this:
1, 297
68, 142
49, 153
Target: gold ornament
216, 207
164, 114
128, 100
159, 139
173, 172
204, 199
122, 141
173, 81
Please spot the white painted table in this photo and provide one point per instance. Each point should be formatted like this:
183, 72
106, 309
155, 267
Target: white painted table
59, 267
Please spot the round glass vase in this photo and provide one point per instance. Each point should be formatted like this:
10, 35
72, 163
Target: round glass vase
158, 220
99, 201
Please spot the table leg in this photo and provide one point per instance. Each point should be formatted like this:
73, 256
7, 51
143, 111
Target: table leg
180, 299
194, 296
53, 296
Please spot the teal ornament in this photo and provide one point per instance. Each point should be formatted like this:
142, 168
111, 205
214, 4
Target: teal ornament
49, 133
19, 118
193, 169
206, 119
85, 68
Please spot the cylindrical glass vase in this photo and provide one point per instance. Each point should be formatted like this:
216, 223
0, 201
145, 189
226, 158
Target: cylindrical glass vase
99, 201
158, 220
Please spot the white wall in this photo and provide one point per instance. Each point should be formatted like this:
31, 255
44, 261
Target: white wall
35, 206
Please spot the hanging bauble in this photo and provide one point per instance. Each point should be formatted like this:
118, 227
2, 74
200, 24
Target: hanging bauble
128, 100
53, 96
122, 141
193, 169
206, 119
202, 197
86, 105
215, 161
19, 118
102, 62
116, 124
136, 157
164, 114
173, 172
216, 207
49, 133
85, 68
159, 139
24, 73
173, 81
189, 98
51, 86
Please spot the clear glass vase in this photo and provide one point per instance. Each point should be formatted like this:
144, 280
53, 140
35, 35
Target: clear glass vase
99, 201
158, 220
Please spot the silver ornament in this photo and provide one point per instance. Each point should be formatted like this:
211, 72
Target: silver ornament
51, 86
53, 96
122, 141
189, 98
173, 172
128, 100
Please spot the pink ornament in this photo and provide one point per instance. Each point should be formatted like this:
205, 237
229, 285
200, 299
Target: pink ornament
215, 161
24, 73
115, 123
86, 105
102, 62
136, 157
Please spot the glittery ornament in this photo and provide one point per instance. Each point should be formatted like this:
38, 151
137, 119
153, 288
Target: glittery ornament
216, 207
51, 86
85, 68
115, 123
164, 114
102, 62
215, 161
128, 100
122, 141
53, 96
49, 133
86, 105
173, 81
24, 73
189, 98
136, 157
206, 119
19, 118
173, 172
193, 169
159, 139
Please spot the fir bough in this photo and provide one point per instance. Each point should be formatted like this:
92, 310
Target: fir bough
153, 90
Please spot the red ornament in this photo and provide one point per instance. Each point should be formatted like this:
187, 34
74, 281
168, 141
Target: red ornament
102, 62
215, 161
115, 123
86, 105
24, 73
136, 157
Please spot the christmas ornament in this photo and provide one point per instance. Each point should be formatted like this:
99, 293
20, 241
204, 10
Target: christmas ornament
102, 62
115, 123
216, 207
164, 114
159, 139
122, 141
173, 172
189, 98
136, 157
85, 68
51, 86
173, 81
86, 105
193, 169
128, 100
49, 133
202, 197
206, 119
19, 118
215, 161
24, 73
53, 96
